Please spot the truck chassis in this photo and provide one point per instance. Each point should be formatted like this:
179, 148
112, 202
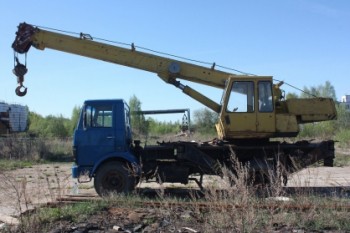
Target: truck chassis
177, 162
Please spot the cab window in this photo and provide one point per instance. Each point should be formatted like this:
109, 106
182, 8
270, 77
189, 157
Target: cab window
265, 96
241, 97
99, 116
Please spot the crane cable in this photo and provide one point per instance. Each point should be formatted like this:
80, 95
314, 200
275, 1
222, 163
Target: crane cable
296, 88
147, 49
170, 55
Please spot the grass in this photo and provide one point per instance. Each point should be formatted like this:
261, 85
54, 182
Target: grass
7, 165
41, 220
343, 137
45, 218
35, 149
341, 159
74, 213
17, 153
245, 217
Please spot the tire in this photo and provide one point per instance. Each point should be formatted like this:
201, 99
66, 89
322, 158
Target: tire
113, 177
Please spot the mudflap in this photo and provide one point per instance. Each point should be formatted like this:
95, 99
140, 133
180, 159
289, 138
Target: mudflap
75, 172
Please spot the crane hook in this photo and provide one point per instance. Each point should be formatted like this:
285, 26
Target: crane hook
20, 70
19, 92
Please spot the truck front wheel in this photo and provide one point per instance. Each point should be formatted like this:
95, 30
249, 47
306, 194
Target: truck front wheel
113, 177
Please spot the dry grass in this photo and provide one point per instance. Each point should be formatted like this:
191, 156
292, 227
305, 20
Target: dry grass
35, 149
234, 205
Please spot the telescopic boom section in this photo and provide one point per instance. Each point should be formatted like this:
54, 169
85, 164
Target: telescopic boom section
167, 69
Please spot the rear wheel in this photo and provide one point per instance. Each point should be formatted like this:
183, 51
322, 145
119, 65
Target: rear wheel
114, 177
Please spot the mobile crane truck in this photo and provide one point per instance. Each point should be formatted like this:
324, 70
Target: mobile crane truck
251, 113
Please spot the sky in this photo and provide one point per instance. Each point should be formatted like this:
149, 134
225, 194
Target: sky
302, 42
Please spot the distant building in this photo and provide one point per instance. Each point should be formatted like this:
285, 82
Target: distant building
345, 101
13, 118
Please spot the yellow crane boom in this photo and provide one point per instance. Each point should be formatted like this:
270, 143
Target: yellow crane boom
166, 68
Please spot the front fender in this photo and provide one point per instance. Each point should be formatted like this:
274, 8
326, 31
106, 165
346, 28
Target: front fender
120, 156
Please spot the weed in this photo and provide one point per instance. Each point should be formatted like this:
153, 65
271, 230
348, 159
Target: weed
343, 137
6, 165
342, 159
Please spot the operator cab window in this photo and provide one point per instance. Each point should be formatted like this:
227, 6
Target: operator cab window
97, 117
265, 96
241, 97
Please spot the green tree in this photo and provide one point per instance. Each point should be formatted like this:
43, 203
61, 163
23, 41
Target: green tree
326, 90
292, 95
343, 118
337, 129
35, 122
158, 128
74, 119
138, 121
50, 126
205, 120
56, 126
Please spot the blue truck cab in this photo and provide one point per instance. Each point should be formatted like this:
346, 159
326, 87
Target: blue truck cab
103, 142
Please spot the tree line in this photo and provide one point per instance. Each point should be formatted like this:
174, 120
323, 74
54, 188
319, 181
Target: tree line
61, 127
52, 126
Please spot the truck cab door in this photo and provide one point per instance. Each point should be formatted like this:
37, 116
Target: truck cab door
97, 138
266, 110
244, 115
239, 114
